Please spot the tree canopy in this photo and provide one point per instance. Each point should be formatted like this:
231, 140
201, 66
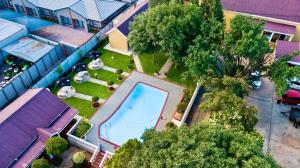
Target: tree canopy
166, 28
245, 48
56, 146
204, 145
40, 163
280, 72
229, 110
124, 154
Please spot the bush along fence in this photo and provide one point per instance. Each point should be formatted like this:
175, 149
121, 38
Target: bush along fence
72, 59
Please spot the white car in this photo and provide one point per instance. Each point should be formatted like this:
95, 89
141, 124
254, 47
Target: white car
256, 80
294, 83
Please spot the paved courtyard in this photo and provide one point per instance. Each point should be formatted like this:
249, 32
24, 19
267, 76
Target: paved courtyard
282, 140
111, 105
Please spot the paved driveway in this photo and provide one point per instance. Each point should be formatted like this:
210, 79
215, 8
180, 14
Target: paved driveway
282, 140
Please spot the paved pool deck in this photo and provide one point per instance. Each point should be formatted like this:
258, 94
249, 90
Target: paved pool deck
111, 105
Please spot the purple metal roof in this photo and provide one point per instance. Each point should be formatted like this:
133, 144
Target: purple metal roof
124, 26
281, 28
279, 9
19, 131
286, 48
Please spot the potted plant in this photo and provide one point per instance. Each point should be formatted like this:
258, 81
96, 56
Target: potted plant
119, 71
56, 146
95, 105
110, 83
120, 77
110, 88
78, 159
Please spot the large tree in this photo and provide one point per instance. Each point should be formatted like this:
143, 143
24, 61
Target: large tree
124, 154
281, 73
245, 47
203, 145
212, 9
169, 29
229, 110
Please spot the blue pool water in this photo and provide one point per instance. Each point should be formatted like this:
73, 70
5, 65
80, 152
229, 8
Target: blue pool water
140, 110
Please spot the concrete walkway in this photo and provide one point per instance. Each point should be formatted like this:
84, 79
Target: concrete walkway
165, 68
108, 47
101, 82
83, 96
114, 70
282, 140
137, 63
87, 97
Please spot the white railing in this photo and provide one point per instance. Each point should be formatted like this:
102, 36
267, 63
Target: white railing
94, 155
81, 143
107, 155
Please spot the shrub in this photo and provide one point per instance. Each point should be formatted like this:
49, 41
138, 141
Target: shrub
56, 146
130, 66
82, 128
181, 107
110, 83
170, 125
131, 61
119, 71
120, 77
95, 104
40, 163
95, 98
78, 159
111, 88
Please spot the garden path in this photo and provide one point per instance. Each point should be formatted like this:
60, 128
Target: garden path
87, 97
114, 70
137, 63
165, 68
101, 82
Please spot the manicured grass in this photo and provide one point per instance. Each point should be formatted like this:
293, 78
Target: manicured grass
103, 74
91, 89
149, 66
83, 106
175, 75
115, 60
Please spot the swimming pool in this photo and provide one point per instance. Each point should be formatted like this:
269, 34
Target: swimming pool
140, 110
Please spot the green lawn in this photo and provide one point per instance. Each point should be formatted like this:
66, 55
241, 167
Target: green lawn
115, 60
104, 75
83, 106
175, 75
149, 66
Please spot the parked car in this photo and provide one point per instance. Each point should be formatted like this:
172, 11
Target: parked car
255, 80
294, 83
291, 97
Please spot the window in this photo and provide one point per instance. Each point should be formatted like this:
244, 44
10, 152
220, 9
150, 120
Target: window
19, 8
79, 24
65, 20
31, 11
267, 35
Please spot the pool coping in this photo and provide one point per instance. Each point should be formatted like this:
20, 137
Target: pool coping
175, 96
120, 104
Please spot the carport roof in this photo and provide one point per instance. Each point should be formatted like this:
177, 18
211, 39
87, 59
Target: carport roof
28, 49
8, 29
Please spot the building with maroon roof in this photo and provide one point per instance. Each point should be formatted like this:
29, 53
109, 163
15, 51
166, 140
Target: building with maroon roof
27, 123
287, 48
282, 16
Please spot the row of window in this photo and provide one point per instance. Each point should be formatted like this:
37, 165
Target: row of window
68, 21
273, 37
